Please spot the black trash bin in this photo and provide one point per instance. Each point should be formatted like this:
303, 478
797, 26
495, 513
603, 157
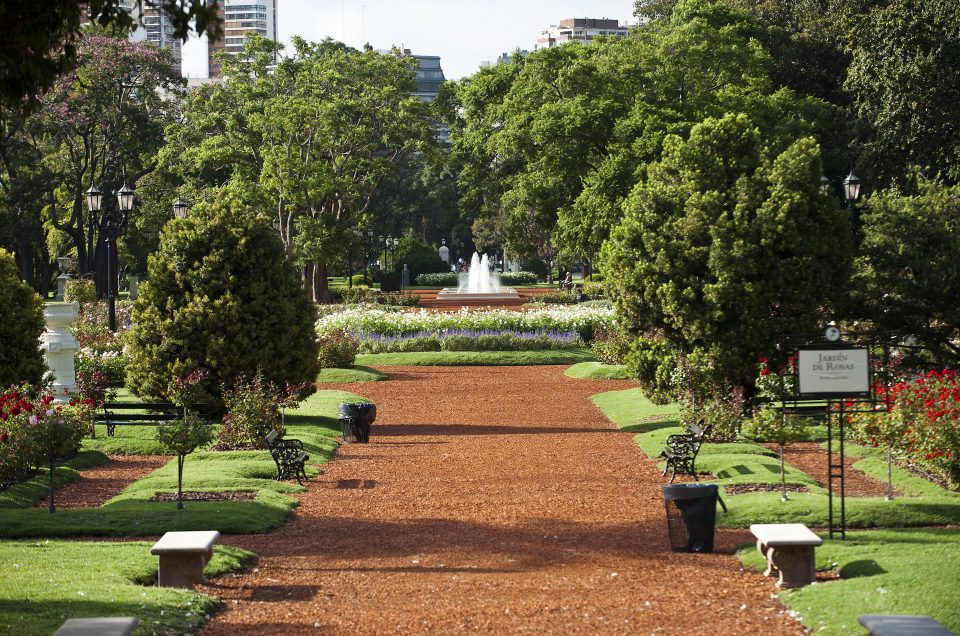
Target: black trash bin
691, 515
355, 421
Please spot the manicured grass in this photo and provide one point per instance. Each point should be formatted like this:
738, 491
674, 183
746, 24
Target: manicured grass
42, 583
132, 514
353, 374
924, 503
882, 572
476, 358
598, 371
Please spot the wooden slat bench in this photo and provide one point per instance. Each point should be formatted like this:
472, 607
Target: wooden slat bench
788, 548
183, 555
902, 625
107, 626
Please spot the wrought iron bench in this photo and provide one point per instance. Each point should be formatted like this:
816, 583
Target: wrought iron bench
682, 449
289, 456
156, 412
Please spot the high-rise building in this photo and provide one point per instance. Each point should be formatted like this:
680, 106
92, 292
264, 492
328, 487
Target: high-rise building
429, 75
582, 30
154, 26
240, 19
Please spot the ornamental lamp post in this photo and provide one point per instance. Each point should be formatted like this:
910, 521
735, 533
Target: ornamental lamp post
180, 208
94, 201
851, 192
125, 201
366, 254
824, 185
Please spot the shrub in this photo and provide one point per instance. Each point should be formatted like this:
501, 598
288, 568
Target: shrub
252, 412
537, 267
361, 279
518, 278
439, 279
594, 290
222, 296
770, 425
419, 257
610, 345
725, 412
80, 290
565, 297
357, 295
338, 350
20, 357
33, 430
924, 423
398, 299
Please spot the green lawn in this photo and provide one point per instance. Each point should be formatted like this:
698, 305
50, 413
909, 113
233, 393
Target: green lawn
132, 514
882, 572
43, 583
598, 371
476, 358
353, 374
923, 503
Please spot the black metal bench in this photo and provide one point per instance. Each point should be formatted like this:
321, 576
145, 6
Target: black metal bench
118, 413
289, 456
682, 449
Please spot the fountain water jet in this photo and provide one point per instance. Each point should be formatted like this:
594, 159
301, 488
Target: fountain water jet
479, 284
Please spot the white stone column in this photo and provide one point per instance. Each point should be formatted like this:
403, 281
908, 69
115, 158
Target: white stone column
58, 346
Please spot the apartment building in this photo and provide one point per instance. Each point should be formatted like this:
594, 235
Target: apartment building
155, 27
240, 19
582, 30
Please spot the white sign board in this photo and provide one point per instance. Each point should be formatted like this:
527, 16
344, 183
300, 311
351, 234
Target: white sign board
833, 372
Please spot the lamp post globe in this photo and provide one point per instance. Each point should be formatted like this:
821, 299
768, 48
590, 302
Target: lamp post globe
851, 188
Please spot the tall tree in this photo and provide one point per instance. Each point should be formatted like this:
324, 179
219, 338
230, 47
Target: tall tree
100, 123
726, 246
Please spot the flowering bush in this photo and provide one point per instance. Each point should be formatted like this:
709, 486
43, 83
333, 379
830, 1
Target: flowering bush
252, 412
338, 350
181, 438
775, 382
34, 430
101, 351
80, 290
472, 340
923, 423
610, 345
365, 323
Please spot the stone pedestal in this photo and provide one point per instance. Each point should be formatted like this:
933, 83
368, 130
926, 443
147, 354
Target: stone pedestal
58, 346
62, 285
793, 565
133, 283
405, 276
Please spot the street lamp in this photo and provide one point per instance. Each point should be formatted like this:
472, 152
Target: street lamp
851, 192
366, 255
95, 203
180, 208
824, 185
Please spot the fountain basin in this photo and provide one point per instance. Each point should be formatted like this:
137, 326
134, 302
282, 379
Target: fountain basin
503, 293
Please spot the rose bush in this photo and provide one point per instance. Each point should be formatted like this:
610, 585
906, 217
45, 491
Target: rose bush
33, 429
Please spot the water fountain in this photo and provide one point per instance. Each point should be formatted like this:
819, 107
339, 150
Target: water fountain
479, 284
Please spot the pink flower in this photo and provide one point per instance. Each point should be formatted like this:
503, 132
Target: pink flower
33, 420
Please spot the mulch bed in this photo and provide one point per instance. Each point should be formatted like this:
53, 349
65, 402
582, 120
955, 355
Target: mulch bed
491, 500
101, 483
233, 495
811, 458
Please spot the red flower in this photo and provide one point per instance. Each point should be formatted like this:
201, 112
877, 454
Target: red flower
3, 436
765, 371
15, 410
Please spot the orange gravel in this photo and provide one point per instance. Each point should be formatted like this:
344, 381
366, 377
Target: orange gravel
101, 483
812, 458
490, 500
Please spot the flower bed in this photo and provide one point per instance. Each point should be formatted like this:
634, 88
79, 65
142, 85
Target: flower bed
33, 430
381, 331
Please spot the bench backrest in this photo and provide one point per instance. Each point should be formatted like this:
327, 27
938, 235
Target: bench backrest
271, 438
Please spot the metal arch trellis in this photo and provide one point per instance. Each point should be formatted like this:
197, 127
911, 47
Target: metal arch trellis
836, 410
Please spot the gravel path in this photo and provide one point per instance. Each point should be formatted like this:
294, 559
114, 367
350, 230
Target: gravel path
102, 483
489, 500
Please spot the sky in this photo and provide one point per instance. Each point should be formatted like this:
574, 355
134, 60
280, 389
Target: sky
462, 33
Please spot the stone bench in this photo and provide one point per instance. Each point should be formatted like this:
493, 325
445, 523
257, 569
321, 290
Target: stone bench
902, 625
788, 549
112, 626
183, 555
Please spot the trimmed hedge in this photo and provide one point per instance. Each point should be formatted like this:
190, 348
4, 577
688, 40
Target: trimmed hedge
452, 279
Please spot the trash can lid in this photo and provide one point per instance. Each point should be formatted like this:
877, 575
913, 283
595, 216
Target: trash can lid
672, 492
